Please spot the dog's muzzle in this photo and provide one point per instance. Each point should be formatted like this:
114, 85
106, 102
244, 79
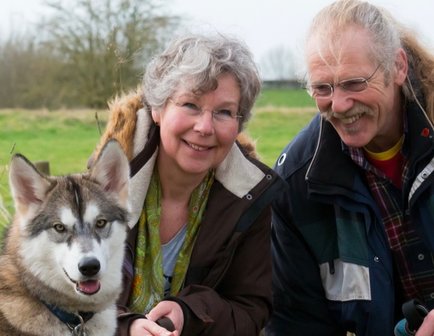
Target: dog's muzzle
89, 267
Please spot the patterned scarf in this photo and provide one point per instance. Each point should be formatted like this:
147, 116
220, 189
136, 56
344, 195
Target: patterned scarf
148, 283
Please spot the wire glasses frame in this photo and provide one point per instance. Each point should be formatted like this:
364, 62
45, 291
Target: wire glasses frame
326, 90
192, 110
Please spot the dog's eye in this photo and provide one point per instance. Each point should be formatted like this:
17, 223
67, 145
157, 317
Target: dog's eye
101, 223
59, 227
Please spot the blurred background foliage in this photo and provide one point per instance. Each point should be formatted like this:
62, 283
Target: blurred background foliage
82, 53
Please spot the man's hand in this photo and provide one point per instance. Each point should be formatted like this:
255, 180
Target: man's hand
427, 327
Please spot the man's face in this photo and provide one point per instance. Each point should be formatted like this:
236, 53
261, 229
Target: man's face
369, 114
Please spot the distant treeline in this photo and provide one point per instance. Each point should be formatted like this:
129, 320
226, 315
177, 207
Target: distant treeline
82, 55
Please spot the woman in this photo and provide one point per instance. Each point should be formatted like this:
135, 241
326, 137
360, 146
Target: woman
198, 250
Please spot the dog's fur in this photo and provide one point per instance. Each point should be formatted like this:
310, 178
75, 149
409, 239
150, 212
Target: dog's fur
65, 247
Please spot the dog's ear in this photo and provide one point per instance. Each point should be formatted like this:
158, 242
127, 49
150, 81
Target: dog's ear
112, 171
28, 186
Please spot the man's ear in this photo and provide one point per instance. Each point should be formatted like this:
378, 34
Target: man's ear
401, 67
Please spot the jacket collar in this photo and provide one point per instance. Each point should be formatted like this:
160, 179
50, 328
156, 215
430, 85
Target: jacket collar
330, 166
421, 132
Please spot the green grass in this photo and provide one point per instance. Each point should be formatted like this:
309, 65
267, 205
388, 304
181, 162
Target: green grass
273, 128
284, 98
66, 138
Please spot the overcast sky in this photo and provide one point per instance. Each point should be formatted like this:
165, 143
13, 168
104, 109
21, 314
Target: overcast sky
263, 24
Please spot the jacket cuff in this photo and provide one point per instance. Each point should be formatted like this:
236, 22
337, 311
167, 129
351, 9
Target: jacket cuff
124, 322
190, 320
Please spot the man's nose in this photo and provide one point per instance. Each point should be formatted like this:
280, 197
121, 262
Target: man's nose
341, 101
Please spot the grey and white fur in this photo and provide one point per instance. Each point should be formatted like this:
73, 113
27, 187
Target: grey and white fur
63, 253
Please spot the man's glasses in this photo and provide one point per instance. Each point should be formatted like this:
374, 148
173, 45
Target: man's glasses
326, 90
190, 109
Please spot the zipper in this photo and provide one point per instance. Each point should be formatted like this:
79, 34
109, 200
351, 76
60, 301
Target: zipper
316, 149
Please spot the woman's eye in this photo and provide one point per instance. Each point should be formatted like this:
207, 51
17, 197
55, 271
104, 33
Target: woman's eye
227, 113
224, 115
190, 106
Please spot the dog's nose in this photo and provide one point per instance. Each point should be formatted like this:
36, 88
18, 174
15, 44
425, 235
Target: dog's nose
89, 266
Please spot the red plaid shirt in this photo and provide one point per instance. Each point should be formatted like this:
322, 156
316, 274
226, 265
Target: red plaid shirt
413, 260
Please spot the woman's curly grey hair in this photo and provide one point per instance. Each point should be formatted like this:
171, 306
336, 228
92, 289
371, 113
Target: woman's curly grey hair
197, 61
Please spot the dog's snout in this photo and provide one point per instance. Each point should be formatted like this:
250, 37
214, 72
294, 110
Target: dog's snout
89, 266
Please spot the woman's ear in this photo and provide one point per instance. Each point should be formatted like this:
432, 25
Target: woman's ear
401, 67
156, 116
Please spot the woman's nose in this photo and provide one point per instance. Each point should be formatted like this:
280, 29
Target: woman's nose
204, 123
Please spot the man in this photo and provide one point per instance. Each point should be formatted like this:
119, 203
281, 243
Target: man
353, 236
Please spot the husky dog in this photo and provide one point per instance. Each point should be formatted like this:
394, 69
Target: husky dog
60, 269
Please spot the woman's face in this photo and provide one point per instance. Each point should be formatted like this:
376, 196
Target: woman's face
197, 131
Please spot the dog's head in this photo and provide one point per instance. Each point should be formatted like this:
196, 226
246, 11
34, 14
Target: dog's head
70, 230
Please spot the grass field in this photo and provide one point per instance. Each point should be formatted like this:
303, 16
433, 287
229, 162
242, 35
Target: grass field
66, 138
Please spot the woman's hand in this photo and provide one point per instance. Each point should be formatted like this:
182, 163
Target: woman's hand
427, 327
146, 327
171, 310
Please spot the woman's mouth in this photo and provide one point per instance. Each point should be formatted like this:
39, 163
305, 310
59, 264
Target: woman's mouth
197, 147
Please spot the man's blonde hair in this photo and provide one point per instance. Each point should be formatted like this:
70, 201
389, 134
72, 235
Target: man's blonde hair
387, 35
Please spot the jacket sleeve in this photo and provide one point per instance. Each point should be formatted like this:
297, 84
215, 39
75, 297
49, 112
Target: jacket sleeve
299, 303
240, 301
124, 322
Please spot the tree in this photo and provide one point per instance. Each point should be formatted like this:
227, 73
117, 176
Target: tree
104, 43
278, 64
28, 73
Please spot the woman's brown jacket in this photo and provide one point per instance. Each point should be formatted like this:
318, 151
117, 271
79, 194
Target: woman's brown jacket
227, 290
